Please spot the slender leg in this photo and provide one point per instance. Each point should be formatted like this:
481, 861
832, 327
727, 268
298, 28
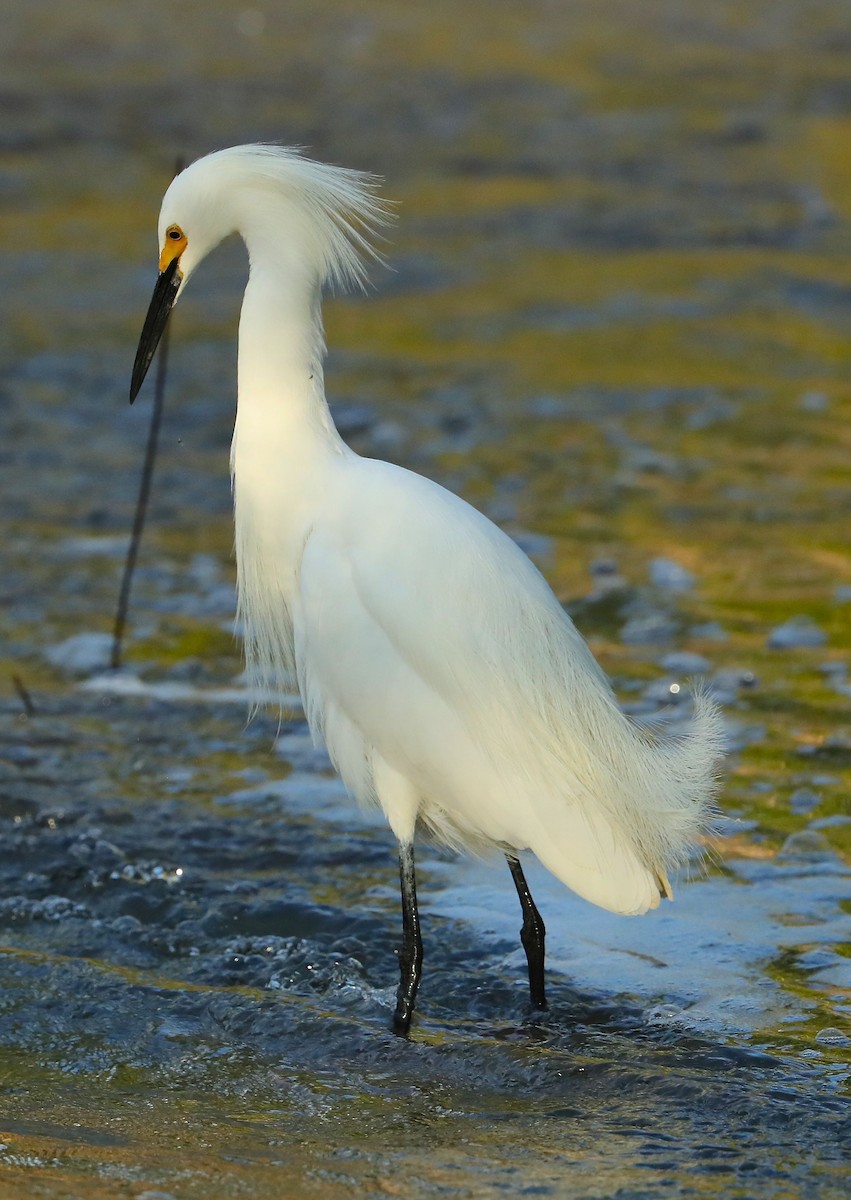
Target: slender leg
411, 950
531, 935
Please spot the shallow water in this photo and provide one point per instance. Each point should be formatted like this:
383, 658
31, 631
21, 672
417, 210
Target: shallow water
616, 321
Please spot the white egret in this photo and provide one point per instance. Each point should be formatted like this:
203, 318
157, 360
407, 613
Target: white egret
444, 677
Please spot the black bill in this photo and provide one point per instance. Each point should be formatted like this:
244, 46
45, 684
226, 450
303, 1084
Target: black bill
165, 294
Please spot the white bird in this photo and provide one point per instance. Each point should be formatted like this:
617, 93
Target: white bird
447, 682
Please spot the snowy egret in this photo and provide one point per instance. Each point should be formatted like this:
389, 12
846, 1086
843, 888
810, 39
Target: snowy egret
447, 682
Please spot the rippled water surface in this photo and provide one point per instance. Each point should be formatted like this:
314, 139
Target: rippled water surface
616, 320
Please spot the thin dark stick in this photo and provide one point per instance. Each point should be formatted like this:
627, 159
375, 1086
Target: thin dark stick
24, 696
141, 501
144, 490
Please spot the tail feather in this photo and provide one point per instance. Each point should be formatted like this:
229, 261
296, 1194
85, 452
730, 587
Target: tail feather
643, 818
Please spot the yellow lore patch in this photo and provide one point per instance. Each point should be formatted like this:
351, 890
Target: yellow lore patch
174, 245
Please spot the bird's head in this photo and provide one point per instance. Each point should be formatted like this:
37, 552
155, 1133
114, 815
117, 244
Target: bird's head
324, 216
195, 216
200, 209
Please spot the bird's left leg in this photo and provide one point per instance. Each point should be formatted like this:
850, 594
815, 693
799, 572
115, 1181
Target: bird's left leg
401, 803
411, 950
531, 935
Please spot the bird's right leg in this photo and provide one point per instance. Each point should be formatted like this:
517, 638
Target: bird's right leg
532, 934
411, 950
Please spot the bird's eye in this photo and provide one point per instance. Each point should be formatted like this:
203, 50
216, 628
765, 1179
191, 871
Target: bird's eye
174, 243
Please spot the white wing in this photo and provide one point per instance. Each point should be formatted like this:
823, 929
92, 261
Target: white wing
432, 653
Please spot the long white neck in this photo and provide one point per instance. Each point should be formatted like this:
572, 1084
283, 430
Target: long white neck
282, 414
283, 445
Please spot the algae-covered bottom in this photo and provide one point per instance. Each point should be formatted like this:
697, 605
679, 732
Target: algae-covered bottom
197, 989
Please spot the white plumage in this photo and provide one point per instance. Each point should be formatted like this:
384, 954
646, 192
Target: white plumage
433, 659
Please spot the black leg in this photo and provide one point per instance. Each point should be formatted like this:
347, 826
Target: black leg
531, 935
411, 950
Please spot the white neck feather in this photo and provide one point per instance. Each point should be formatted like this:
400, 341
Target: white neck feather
305, 224
283, 436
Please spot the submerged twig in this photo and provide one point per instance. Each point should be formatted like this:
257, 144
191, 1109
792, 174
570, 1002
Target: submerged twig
141, 503
23, 694
144, 491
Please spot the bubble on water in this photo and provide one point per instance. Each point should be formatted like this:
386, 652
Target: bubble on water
711, 631
671, 576
664, 1014
833, 1037
139, 872
804, 800
806, 846
81, 654
647, 627
797, 633
832, 822
605, 578
22, 909
681, 662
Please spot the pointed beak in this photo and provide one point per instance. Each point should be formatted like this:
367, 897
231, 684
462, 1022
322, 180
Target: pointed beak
165, 294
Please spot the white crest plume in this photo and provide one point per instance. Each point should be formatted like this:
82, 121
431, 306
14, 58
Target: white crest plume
332, 215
